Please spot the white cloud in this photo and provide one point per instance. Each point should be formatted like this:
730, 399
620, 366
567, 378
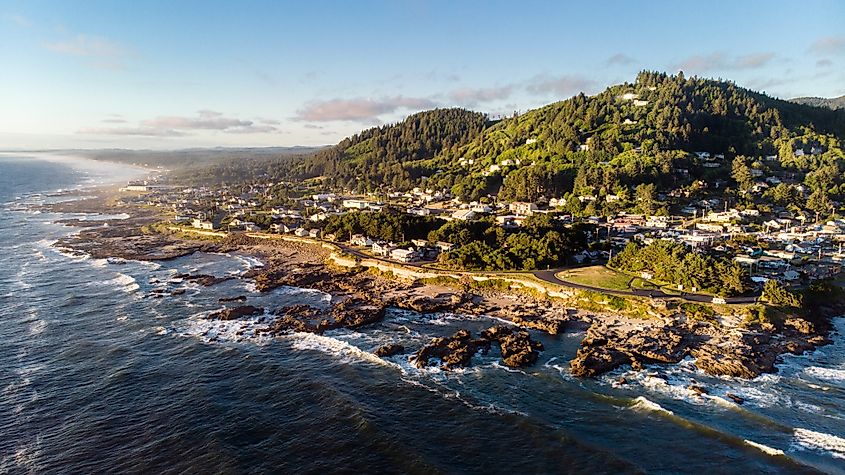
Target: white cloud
828, 45
719, 61
471, 96
359, 109
176, 126
567, 84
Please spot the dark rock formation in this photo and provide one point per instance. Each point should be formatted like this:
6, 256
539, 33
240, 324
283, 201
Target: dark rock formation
239, 298
236, 312
517, 347
389, 350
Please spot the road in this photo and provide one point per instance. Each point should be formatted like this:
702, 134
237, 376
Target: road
550, 276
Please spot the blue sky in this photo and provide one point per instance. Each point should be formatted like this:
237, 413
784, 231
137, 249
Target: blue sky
172, 74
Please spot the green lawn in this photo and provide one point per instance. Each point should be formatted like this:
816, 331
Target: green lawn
596, 276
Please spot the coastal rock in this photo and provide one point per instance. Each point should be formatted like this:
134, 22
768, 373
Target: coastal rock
454, 352
236, 312
519, 350
356, 311
389, 350
592, 361
552, 326
239, 298
203, 279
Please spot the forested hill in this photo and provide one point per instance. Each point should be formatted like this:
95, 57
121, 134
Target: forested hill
396, 155
645, 132
834, 103
631, 134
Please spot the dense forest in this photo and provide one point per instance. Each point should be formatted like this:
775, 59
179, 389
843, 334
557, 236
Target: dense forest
672, 263
632, 142
397, 156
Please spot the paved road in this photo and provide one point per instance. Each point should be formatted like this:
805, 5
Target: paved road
550, 276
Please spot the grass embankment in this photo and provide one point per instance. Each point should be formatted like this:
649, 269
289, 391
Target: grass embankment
597, 276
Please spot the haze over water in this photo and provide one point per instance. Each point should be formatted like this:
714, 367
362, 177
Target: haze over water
98, 376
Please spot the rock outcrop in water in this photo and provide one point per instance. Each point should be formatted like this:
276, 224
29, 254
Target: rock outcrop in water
742, 352
517, 348
351, 312
235, 313
389, 349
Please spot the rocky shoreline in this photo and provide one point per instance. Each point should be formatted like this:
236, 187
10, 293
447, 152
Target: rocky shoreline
724, 348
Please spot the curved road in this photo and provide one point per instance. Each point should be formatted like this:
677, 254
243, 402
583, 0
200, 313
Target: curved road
550, 276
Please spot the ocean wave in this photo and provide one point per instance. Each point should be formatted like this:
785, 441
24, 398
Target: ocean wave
764, 448
645, 404
127, 283
338, 348
232, 331
826, 374
819, 441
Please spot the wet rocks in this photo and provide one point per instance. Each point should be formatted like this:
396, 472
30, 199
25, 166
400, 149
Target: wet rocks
352, 312
454, 352
239, 298
552, 326
235, 313
389, 349
517, 348
203, 279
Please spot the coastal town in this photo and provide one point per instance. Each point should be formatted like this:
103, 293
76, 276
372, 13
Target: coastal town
794, 248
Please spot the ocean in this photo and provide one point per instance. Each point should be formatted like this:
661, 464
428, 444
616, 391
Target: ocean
98, 375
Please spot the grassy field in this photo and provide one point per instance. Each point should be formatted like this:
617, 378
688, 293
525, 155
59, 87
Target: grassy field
596, 276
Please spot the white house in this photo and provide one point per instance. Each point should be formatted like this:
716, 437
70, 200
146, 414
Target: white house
382, 248
360, 240
356, 204
522, 208
464, 215
301, 232
404, 255
202, 224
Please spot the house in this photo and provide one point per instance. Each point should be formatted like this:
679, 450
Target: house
202, 224
382, 248
444, 246
464, 215
522, 208
330, 237
360, 240
630, 96
404, 255
314, 233
251, 227
301, 232
356, 204
419, 242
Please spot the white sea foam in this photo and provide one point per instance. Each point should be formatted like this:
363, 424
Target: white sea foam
333, 346
764, 448
125, 282
826, 374
645, 404
819, 441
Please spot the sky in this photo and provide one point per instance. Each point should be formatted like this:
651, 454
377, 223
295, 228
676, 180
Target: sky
176, 74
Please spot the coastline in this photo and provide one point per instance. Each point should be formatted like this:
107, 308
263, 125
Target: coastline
636, 332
